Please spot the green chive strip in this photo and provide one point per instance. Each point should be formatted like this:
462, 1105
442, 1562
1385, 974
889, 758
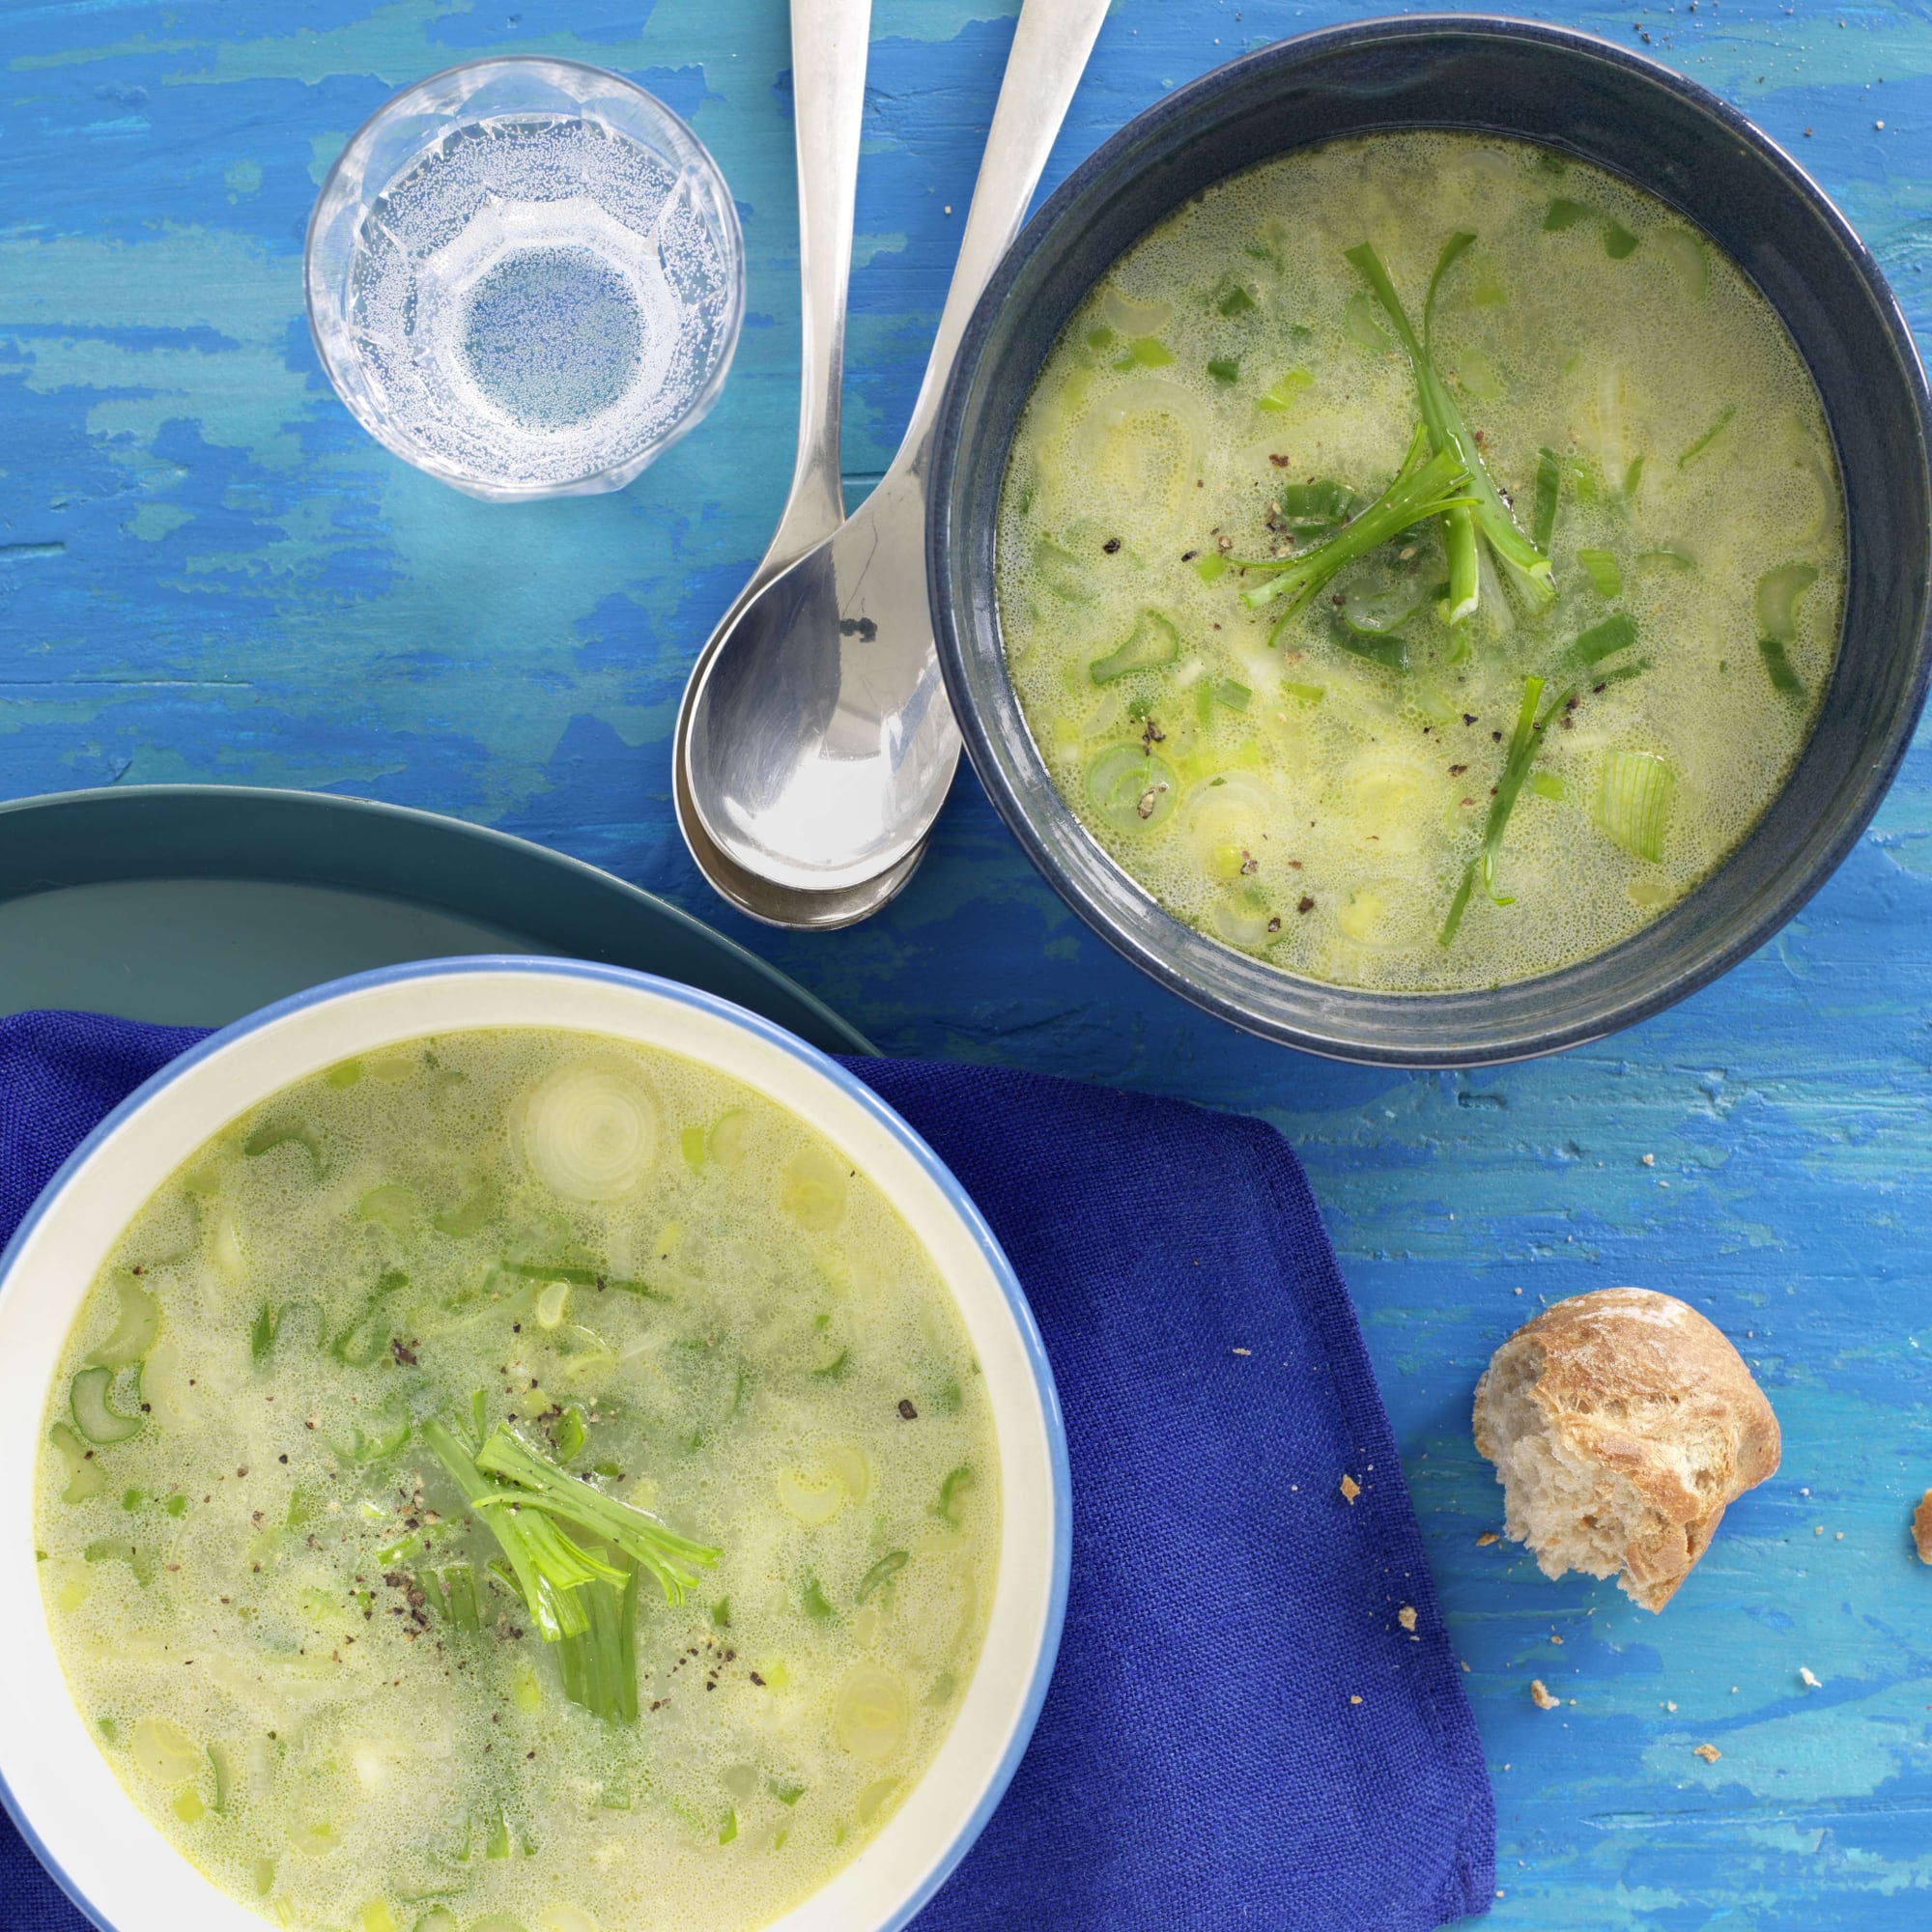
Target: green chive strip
1516, 769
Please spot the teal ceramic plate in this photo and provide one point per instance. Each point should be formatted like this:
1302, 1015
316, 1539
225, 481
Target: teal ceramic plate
195, 904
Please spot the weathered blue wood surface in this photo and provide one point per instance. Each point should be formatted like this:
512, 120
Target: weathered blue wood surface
207, 572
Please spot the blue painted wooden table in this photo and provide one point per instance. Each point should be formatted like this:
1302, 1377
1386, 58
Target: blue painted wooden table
207, 572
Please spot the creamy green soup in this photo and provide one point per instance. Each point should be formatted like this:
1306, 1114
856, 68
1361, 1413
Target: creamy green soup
1421, 560
395, 1423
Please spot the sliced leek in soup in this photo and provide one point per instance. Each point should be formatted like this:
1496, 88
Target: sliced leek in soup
1421, 560
518, 1480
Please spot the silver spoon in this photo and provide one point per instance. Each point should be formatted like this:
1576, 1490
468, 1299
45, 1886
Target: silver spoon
819, 744
829, 46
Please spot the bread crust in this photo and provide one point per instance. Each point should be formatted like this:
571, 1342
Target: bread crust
1641, 1386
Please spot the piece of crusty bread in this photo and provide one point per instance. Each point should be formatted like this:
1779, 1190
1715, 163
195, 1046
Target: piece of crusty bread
1621, 1423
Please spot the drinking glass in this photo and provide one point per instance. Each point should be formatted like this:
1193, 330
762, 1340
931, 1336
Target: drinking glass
525, 277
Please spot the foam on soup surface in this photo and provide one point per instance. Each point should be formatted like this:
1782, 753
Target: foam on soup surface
1321, 791
266, 1495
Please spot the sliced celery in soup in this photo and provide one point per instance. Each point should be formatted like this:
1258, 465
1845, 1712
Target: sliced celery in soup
512, 1481
1440, 419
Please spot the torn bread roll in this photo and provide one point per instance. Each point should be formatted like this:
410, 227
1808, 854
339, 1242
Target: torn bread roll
1621, 1423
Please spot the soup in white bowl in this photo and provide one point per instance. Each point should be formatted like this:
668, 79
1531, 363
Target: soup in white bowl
526, 1447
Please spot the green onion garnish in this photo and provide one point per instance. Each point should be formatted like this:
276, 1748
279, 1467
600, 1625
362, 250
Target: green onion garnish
1525, 566
1516, 769
1424, 487
1709, 437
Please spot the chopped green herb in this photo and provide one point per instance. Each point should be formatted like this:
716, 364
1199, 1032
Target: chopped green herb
952, 1492
1391, 653
1602, 569
1153, 642
262, 1335
1310, 505
1516, 769
1144, 352
1618, 240
1710, 436
1565, 214
1282, 394
880, 1574
1600, 640
1548, 489
568, 1432
1778, 663
1225, 368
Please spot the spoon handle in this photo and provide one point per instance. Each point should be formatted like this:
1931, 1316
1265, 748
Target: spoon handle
828, 68
1049, 54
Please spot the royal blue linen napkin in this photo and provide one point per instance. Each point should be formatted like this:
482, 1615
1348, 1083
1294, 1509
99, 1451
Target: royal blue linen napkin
1242, 1730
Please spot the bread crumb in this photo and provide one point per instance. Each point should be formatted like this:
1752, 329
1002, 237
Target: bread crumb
1710, 1754
1464, 1662
1353, 1698
1489, 1536
1242, 1352
1539, 1695
1405, 1617
1805, 1677
1350, 1489
1670, 1707
1921, 1527
1554, 1638
1650, 1160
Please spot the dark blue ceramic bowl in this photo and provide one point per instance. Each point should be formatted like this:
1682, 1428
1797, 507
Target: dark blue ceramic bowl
1603, 104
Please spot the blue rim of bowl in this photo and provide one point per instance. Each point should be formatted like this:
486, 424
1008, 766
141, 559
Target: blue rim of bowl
942, 545
941, 1176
